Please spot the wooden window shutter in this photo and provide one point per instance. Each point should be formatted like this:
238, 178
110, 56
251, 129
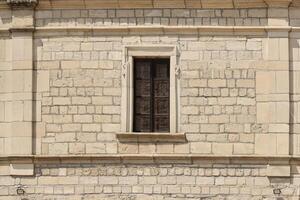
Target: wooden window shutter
152, 95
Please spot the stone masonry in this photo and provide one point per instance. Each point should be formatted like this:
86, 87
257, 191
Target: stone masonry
65, 119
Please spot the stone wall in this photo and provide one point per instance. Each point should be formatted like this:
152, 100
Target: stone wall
152, 181
61, 81
81, 104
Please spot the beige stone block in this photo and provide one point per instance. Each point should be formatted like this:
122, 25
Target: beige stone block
279, 128
22, 48
21, 129
2, 111
209, 128
56, 180
76, 148
265, 144
147, 148
128, 148
205, 180
90, 64
283, 144
65, 137
111, 147
235, 45
243, 149
43, 79
201, 147
222, 149
4, 169
273, 49
61, 100
265, 82
20, 169
284, 48
266, 112
182, 148
20, 145
94, 148
58, 148
70, 64
164, 148
111, 127
215, 83
278, 171
2, 149
48, 64
282, 82
282, 112
278, 21
245, 83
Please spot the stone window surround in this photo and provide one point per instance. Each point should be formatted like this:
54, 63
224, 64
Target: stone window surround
144, 51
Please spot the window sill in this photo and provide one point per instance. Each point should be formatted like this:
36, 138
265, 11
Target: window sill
151, 137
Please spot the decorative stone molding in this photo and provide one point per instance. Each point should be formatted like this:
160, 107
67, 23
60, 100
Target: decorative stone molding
92, 4
22, 3
151, 137
197, 30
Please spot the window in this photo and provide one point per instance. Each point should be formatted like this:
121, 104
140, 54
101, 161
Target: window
151, 95
165, 71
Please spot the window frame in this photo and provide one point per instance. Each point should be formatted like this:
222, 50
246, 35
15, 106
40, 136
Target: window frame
127, 98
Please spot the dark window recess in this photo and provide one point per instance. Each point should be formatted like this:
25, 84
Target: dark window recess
151, 95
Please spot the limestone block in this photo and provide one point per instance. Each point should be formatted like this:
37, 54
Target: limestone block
43, 80
278, 171
266, 112
222, 148
95, 148
273, 49
58, 148
205, 180
22, 48
243, 149
21, 129
265, 82
76, 148
215, 83
70, 64
283, 144
20, 145
201, 147
278, 21
282, 82
235, 45
265, 144
21, 169
128, 148
278, 12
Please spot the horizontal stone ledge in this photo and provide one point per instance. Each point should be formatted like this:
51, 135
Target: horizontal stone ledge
92, 4
125, 30
151, 137
153, 158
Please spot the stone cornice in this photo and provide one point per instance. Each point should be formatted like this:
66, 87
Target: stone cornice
153, 159
205, 4
201, 30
